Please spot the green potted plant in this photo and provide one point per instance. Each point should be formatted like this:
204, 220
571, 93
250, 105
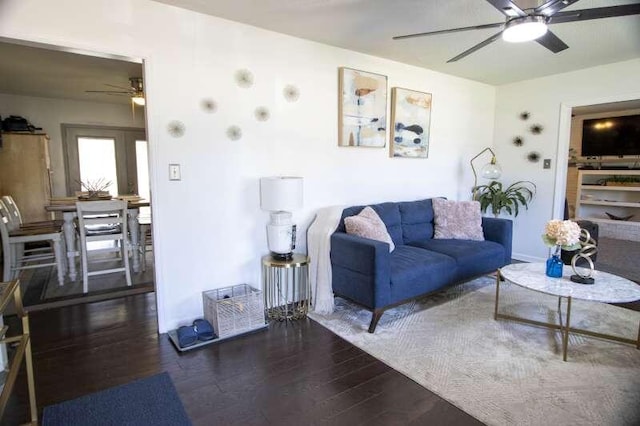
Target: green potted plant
509, 199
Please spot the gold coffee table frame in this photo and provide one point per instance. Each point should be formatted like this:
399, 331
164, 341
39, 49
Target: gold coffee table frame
564, 326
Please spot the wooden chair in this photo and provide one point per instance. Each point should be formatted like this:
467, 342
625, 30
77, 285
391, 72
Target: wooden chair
16, 258
103, 221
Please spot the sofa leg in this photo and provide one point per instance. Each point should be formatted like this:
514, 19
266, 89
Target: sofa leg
374, 320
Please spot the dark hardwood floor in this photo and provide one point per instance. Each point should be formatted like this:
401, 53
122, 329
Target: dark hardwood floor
292, 374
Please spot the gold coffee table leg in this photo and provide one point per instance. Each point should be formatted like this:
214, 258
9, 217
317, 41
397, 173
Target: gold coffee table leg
565, 337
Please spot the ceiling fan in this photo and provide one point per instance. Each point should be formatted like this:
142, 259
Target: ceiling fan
136, 91
531, 24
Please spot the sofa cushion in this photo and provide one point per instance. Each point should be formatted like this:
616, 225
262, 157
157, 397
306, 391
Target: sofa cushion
460, 220
417, 220
472, 258
388, 212
367, 224
415, 271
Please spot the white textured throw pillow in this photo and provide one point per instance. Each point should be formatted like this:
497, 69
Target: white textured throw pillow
458, 220
367, 224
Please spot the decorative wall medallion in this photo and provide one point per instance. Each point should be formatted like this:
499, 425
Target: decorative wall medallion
244, 78
262, 113
524, 115
533, 156
209, 105
518, 141
536, 129
176, 128
291, 93
234, 133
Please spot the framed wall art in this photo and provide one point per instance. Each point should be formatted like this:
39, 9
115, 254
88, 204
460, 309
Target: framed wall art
410, 122
362, 109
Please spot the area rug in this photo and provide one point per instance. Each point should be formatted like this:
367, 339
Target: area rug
149, 401
502, 372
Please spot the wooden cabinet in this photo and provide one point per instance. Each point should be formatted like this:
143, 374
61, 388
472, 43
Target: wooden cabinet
594, 199
25, 173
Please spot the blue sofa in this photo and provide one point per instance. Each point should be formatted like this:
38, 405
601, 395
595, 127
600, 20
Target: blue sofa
365, 272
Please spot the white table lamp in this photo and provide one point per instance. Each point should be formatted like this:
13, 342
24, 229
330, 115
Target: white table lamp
280, 195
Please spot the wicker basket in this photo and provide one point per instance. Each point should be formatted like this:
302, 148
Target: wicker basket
234, 310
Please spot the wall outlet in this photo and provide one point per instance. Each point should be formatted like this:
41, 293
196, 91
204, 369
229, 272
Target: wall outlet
546, 164
174, 172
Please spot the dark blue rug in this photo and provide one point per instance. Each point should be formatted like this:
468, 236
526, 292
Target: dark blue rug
149, 401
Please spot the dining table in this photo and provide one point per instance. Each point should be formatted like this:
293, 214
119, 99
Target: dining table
67, 207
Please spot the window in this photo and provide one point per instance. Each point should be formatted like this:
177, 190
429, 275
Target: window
118, 155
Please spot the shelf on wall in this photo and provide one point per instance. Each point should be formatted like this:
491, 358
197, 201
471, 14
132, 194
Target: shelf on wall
609, 203
610, 188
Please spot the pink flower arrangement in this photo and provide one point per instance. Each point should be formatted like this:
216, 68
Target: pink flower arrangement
563, 233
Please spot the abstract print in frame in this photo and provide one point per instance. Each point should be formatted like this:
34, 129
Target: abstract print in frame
362, 111
410, 121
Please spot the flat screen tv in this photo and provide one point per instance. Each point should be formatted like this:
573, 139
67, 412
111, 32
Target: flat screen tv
617, 136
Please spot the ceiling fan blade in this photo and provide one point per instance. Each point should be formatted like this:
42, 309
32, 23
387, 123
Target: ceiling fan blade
108, 92
452, 30
509, 8
476, 47
552, 6
552, 42
595, 13
118, 87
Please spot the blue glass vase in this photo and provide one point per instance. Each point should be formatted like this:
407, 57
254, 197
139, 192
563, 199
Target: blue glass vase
554, 265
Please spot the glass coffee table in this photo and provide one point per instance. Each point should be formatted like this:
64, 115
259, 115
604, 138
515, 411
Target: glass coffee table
608, 288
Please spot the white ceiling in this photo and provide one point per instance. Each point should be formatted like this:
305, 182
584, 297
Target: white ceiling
361, 25
368, 25
32, 71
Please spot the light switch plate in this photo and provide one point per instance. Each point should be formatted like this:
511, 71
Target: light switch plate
546, 164
174, 172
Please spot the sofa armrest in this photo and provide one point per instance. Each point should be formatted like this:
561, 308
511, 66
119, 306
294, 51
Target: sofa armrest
361, 269
500, 231
359, 254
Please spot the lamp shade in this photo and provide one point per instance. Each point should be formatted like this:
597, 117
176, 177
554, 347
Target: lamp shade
491, 170
281, 193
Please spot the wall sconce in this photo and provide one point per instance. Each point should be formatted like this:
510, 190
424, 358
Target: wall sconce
491, 170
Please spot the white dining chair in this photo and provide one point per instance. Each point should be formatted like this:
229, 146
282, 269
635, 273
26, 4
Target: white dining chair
16, 258
103, 221
16, 216
146, 239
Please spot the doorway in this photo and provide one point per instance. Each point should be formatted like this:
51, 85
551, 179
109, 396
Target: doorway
94, 131
615, 209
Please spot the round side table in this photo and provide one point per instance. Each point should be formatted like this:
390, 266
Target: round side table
286, 287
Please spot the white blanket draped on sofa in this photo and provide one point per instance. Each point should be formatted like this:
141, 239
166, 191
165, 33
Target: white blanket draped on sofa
319, 247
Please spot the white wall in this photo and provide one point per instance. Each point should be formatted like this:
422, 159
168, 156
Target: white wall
549, 100
209, 230
49, 113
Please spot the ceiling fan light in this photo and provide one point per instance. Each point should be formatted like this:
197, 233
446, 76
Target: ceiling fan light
138, 100
524, 29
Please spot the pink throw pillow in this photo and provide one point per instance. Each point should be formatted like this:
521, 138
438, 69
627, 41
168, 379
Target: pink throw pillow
367, 224
458, 220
